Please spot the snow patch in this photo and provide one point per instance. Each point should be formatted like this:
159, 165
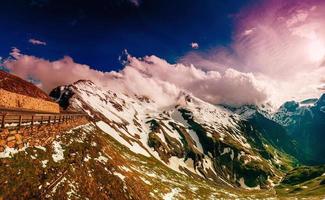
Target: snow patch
102, 159
172, 195
121, 176
10, 152
41, 148
134, 146
58, 152
44, 163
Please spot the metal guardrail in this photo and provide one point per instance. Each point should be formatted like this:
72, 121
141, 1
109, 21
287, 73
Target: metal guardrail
15, 118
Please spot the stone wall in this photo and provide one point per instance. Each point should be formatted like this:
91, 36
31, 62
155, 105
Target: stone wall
38, 135
18, 101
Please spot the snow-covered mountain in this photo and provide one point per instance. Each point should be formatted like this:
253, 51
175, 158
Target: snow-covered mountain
191, 136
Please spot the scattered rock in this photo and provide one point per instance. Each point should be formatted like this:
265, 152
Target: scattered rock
5, 133
11, 144
11, 138
19, 138
20, 146
2, 143
25, 134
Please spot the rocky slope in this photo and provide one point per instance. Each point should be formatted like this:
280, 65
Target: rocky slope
135, 149
191, 137
87, 163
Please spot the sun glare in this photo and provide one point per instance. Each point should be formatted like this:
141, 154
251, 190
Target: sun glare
316, 50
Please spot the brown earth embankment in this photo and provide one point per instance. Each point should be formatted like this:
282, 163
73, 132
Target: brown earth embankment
18, 101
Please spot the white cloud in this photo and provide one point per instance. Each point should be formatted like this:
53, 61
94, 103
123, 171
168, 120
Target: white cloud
36, 42
248, 31
194, 45
150, 76
15, 53
231, 87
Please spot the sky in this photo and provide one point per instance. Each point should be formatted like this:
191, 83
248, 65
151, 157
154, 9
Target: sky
228, 52
96, 32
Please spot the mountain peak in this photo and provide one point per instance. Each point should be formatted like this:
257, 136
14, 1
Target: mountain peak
88, 82
290, 106
321, 101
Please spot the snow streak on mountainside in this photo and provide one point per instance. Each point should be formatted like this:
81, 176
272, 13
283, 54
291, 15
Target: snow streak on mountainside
190, 136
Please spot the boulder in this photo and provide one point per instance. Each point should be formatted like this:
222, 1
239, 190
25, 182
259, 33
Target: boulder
2, 143
20, 146
4, 133
19, 138
11, 138
11, 144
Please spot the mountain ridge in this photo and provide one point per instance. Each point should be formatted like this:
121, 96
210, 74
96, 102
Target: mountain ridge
190, 149
191, 136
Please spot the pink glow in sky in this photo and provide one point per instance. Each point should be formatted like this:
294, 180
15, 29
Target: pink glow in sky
282, 42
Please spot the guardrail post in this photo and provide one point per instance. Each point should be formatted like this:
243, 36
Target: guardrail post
32, 122
54, 119
20, 120
3, 121
41, 120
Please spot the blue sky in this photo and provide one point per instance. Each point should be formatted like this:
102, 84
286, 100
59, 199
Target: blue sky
96, 32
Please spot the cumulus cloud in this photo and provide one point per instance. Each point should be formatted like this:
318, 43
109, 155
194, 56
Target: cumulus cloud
230, 87
51, 74
36, 42
150, 76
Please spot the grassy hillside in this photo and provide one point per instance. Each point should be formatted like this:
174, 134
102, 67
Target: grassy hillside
88, 163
